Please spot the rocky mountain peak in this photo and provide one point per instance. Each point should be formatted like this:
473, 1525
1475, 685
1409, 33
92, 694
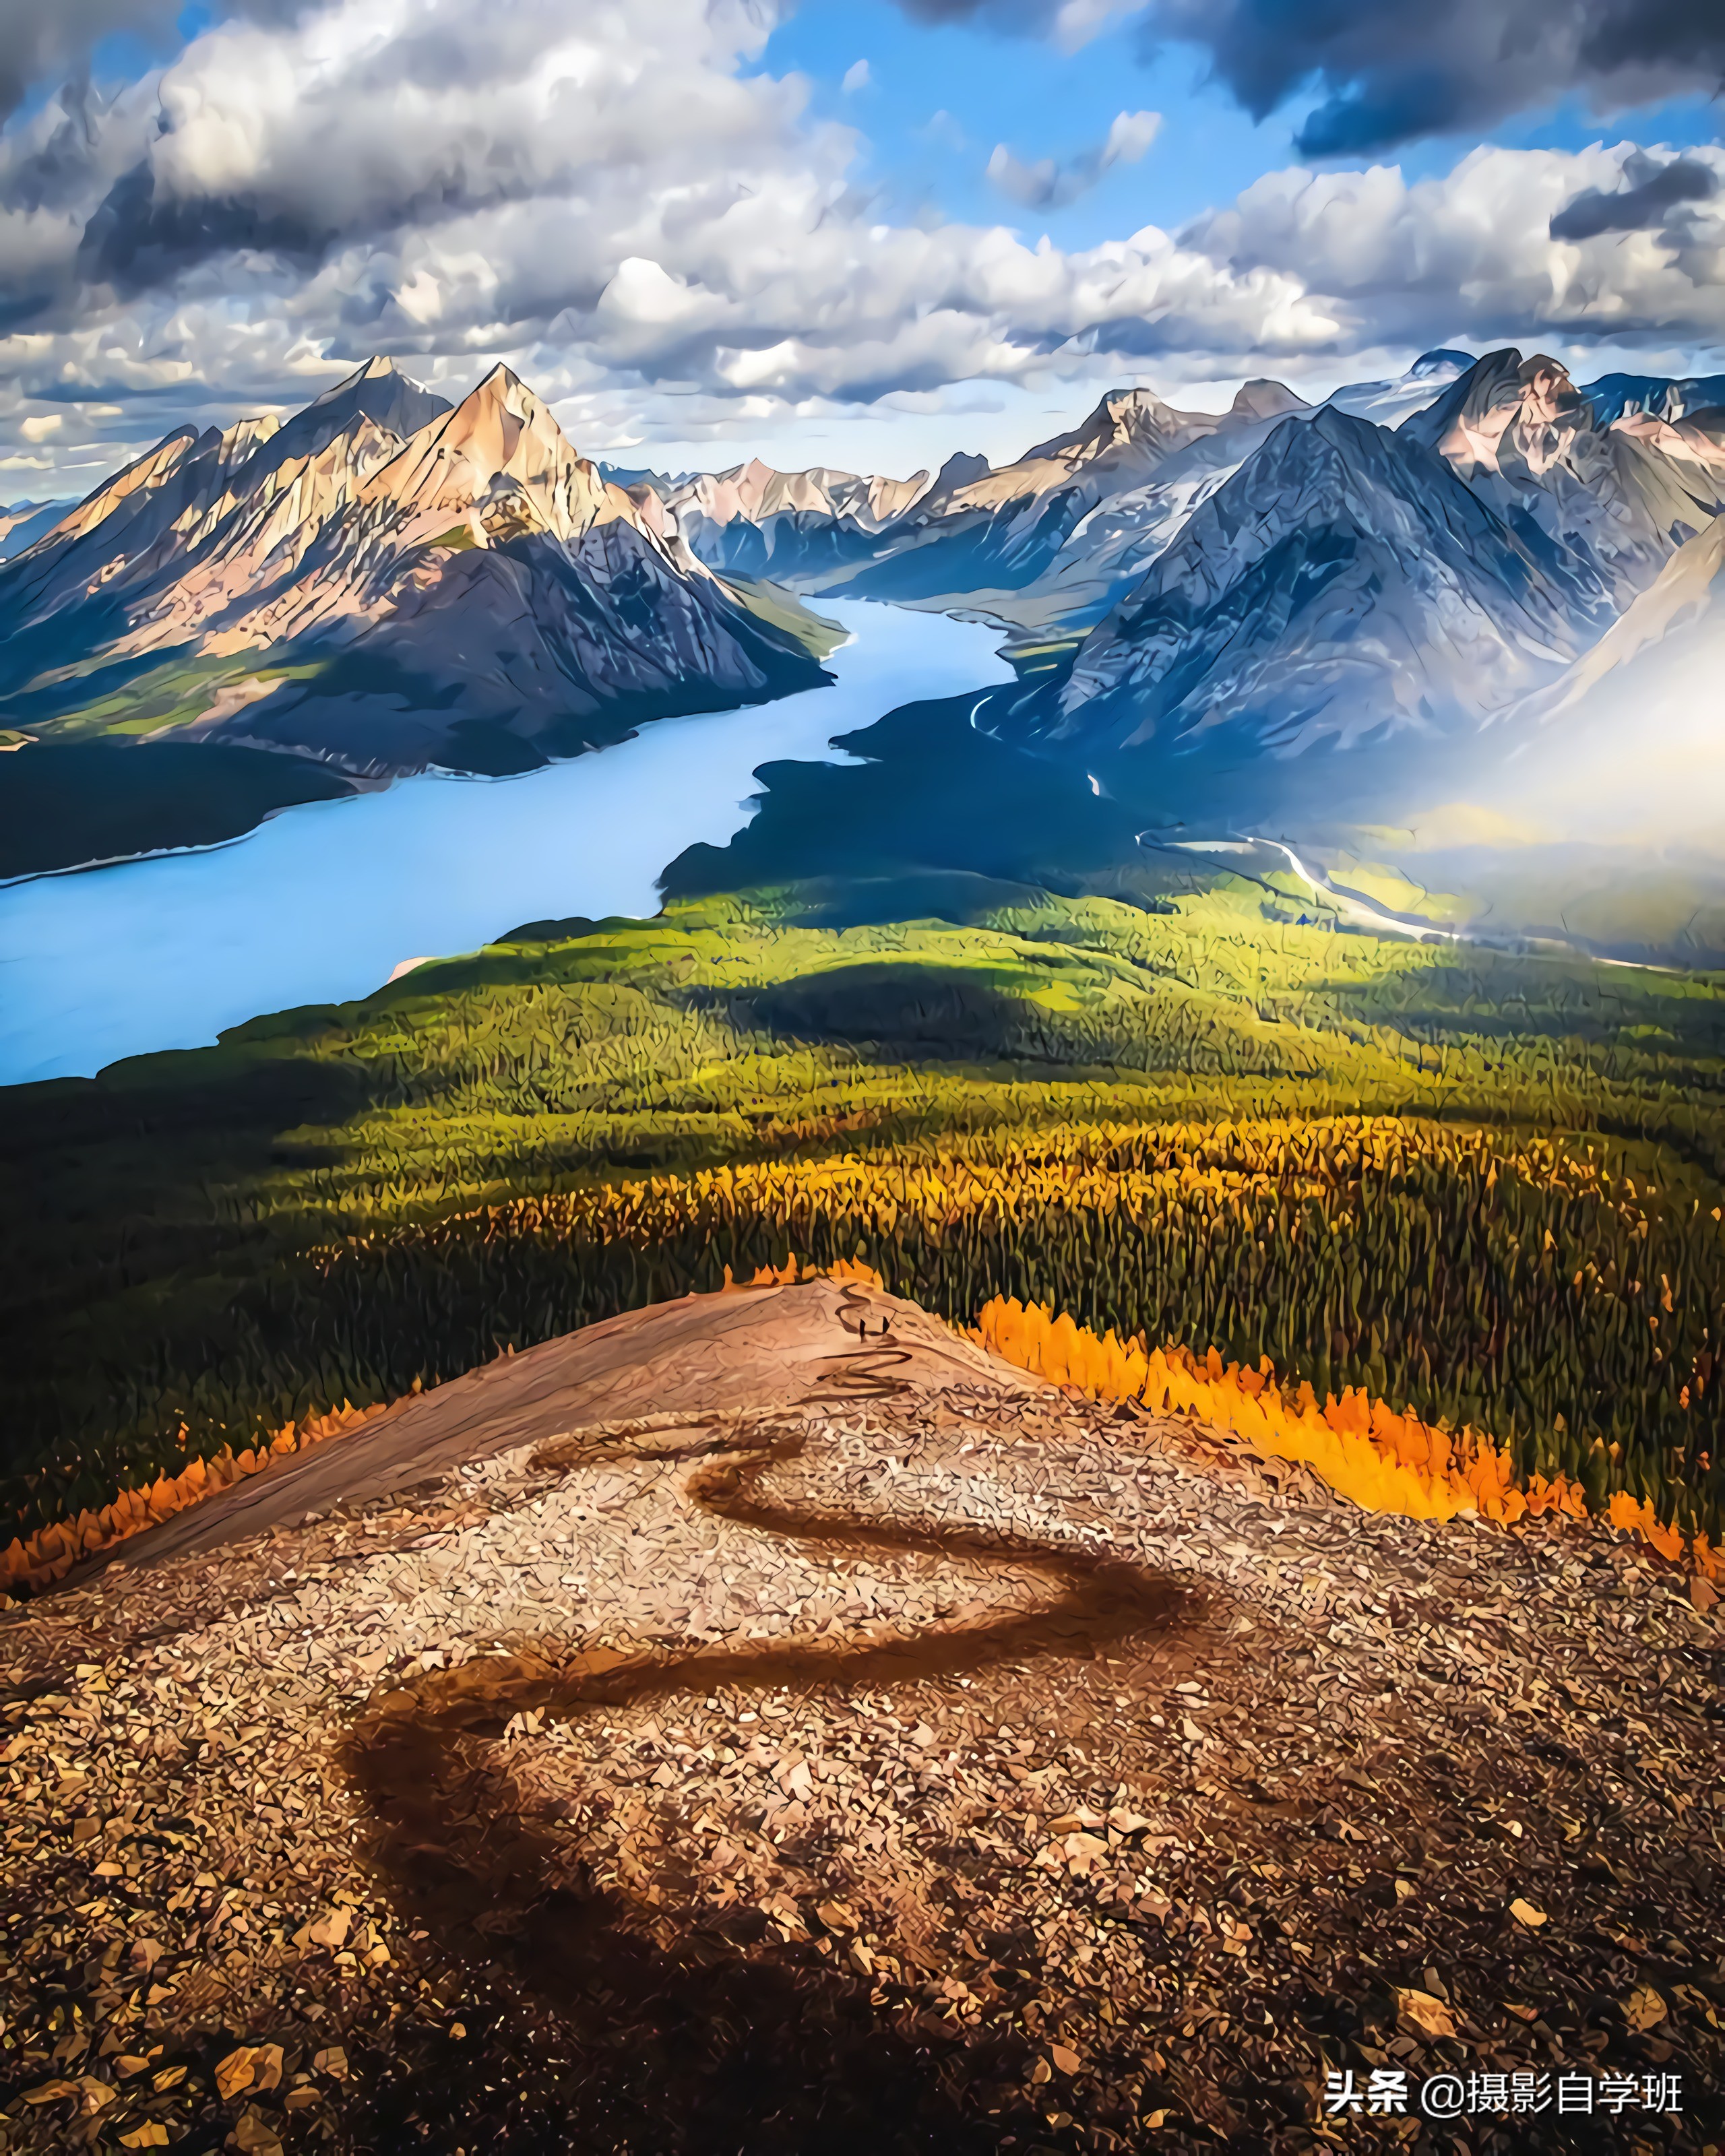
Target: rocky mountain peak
1441, 361
960, 468
376, 368
244, 438
500, 455
1505, 412
1265, 400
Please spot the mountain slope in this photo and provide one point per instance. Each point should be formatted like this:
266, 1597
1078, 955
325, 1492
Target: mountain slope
1343, 584
23, 523
1661, 396
1624, 497
802, 527
1048, 542
1002, 532
472, 592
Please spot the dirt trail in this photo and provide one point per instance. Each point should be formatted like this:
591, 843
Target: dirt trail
488, 1881
722, 1731
700, 1354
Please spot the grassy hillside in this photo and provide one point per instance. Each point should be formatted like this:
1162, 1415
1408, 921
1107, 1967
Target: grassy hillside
1158, 1120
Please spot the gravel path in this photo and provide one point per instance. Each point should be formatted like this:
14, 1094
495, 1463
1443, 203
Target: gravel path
849, 1753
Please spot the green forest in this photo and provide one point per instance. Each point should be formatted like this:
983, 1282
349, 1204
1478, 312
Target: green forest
1484, 1185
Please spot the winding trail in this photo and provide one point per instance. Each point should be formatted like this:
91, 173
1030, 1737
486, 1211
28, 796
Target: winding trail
500, 1891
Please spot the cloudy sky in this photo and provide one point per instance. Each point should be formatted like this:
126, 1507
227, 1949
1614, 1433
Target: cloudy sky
855, 232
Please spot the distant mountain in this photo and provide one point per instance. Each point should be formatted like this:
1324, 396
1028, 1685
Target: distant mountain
1047, 543
802, 527
1388, 403
1624, 497
1343, 590
386, 582
1355, 616
23, 523
1660, 396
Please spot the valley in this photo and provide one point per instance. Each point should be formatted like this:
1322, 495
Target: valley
913, 1340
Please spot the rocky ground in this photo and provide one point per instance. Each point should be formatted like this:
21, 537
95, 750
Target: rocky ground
895, 1754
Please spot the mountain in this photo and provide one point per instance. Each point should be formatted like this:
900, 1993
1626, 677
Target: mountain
1344, 589
1649, 686
377, 391
753, 521
1045, 544
1661, 396
1388, 403
385, 583
1622, 496
998, 536
23, 523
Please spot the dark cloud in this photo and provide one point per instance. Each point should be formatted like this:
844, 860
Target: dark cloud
52, 40
1390, 75
135, 240
1652, 191
46, 39
1392, 71
1014, 16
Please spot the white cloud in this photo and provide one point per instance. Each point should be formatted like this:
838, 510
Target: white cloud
1130, 135
40, 426
856, 77
1048, 185
671, 244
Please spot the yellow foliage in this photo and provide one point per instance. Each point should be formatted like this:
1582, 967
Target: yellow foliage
1386, 1461
51, 1554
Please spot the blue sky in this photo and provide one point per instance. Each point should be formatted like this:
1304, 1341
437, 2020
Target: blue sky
705, 229
940, 96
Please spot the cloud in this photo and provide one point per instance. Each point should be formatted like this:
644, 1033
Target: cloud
1652, 189
1389, 75
856, 77
670, 244
1392, 71
46, 40
1070, 23
1047, 185
1472, 250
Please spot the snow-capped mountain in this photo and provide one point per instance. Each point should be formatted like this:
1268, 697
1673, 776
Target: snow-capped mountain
1343, 582
1046, 544
1352, 603
1623, 496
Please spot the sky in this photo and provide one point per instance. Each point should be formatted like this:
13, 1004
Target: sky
858, 232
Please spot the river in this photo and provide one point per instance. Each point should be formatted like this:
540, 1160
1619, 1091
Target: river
323, 902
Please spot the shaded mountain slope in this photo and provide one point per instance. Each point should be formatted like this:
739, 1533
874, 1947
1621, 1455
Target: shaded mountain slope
1343, 584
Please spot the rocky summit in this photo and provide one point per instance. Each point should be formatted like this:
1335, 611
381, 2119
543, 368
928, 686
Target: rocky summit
386, 582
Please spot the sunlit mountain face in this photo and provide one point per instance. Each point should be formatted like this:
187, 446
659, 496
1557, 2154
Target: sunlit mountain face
385, 583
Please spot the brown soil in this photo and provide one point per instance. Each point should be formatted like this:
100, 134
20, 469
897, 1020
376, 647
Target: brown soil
852, 1745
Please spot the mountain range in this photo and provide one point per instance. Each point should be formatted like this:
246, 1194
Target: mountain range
1283, 605
384, 582
1420, 590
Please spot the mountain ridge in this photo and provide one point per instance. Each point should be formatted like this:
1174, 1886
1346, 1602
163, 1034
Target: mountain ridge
472, 593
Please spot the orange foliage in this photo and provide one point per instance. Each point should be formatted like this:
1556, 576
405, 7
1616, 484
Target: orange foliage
786, 1275
1386, 1460
50, 1555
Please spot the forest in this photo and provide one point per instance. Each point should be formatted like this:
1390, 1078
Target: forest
1481, 1187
